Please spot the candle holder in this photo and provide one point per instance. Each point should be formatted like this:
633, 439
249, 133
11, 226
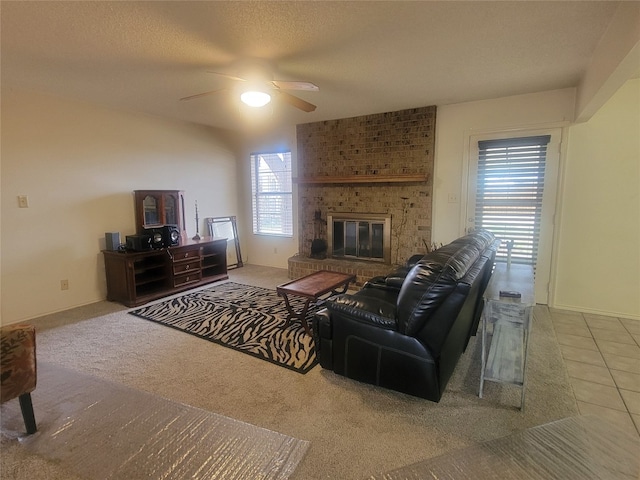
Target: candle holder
197, 235
509, 244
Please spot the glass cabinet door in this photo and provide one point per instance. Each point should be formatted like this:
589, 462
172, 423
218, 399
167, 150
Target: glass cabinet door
155, 208
151, 210
170, 210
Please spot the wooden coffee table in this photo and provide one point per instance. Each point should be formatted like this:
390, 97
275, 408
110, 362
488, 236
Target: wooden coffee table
312, 287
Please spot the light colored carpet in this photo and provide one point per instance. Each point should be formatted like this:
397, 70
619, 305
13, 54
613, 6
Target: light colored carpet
355, 430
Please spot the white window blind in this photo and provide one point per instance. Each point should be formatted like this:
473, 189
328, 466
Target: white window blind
509, 193
272, 193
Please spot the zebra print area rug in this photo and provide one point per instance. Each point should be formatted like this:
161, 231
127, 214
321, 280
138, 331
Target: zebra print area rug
246, 318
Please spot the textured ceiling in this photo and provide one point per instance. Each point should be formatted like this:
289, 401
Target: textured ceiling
366, 57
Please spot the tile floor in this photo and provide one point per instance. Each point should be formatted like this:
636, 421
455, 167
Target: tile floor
602, 356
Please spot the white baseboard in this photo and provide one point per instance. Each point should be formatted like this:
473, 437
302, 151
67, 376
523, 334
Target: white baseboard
604, 313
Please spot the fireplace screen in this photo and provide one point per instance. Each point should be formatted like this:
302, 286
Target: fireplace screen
359, 236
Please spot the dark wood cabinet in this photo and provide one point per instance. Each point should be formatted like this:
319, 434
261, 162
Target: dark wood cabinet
186, 266
135, 278
214, 259
155, 208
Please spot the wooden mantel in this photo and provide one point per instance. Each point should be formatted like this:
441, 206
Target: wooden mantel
401, 178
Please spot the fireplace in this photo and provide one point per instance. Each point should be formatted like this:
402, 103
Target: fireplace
359, 236
372, 163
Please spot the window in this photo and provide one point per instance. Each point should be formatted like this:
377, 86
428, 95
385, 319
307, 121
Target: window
271, 188
509, 190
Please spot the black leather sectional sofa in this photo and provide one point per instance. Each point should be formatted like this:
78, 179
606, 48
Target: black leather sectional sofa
407, 331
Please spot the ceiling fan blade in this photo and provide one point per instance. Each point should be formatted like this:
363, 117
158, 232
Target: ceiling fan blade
297, 102
295, 85
232, 77
198, 95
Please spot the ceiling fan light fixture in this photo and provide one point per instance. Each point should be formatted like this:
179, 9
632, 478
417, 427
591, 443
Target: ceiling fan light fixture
255, 98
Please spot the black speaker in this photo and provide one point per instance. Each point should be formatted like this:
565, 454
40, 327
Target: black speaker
171, 235
112, 240
165, 236
156, 237
138, 243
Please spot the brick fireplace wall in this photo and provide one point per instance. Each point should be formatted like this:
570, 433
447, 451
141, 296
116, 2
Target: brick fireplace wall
381, 163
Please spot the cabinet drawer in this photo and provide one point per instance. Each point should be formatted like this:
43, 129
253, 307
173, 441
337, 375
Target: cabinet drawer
186, 267
187, 278
185, 254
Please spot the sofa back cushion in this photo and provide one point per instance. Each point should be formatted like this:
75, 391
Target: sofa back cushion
480, 238
430, 282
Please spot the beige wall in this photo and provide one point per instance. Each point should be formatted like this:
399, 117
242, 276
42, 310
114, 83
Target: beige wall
615, 60
263, 249
598, 256
79, 164
457, 123
598, 208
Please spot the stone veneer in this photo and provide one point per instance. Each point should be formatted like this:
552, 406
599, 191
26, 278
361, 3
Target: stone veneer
356, 152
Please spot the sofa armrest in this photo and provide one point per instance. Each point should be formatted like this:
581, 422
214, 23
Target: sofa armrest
393, 281
365, 307
414, 259
323, 338
376, 282
396, 278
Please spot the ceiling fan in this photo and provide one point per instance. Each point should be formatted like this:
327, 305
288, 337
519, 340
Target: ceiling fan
258, 87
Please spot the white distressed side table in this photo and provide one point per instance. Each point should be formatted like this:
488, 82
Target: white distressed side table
506, 324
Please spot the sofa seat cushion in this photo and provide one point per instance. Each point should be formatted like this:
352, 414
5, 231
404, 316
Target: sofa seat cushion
370, 306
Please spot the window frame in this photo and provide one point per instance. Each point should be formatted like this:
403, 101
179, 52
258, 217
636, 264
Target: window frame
259, 196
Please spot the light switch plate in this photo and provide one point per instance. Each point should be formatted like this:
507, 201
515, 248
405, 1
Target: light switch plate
23, 201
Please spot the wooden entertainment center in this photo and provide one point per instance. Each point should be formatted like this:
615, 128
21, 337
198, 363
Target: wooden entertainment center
137, 277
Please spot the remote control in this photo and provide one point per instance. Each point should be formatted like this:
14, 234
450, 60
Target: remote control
510, 294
